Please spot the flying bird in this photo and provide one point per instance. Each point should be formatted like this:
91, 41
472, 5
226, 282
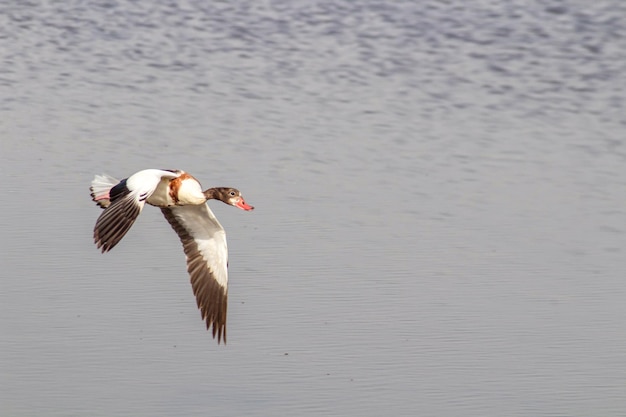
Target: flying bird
183, 203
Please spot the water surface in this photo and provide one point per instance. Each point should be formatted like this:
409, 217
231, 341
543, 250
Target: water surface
439, 193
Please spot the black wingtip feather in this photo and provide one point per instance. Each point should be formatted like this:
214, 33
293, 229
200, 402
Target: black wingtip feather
114, 222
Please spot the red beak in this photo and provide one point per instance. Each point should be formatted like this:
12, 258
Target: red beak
242, 205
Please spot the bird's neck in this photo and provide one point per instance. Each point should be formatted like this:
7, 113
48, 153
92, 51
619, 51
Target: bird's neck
211, 194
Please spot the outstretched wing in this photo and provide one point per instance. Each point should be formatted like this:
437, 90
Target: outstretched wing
127, 199
204, 243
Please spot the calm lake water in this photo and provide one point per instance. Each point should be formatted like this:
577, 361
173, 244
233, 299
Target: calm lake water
440, 207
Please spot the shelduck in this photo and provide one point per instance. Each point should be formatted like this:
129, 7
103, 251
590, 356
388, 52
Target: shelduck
183, 203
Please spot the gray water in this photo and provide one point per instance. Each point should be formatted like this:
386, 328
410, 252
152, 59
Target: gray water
440, 213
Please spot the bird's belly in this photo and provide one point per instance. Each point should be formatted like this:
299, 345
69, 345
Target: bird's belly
177, 192
161, 195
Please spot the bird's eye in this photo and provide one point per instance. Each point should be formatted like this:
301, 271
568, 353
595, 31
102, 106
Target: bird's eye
232, 193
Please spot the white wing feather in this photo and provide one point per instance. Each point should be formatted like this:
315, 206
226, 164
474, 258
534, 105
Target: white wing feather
204, 243
127, 199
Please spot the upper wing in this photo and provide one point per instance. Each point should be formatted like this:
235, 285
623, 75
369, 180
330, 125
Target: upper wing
204, 243
127, 199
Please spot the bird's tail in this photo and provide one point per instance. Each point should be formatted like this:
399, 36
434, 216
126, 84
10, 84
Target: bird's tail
100, 187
